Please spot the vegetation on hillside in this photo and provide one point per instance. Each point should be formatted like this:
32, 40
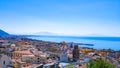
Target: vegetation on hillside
100, 63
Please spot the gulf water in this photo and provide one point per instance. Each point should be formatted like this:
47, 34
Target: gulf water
99, 42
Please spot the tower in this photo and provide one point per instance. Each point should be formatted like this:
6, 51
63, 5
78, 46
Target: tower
75, 53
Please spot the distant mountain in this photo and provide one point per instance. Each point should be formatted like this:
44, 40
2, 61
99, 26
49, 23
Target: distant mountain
95, 35
3, 33
45, 33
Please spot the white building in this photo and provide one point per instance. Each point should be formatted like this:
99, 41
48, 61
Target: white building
4, 61
28, 58
63, 57
33, 59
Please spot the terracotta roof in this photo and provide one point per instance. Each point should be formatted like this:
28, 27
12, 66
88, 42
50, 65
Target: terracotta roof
24, 52
2, 41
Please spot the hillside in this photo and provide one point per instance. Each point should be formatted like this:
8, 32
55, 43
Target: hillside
3, 33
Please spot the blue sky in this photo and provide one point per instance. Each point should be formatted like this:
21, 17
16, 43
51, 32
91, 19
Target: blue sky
65, 17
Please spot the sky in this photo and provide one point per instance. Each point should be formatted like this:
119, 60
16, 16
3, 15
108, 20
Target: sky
64, 17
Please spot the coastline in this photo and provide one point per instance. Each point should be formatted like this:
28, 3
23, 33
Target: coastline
93, 42
54, 49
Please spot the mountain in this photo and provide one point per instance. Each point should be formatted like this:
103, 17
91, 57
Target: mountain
45, 33
3, 33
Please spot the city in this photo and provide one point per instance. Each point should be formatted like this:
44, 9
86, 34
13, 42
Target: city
22, 52
59, 33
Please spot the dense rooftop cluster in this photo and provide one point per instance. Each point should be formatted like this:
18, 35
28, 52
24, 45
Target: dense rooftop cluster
21, 52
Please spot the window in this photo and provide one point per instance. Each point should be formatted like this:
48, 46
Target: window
38, 61
4, 62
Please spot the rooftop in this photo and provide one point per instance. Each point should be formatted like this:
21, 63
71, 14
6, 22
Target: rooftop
24, 52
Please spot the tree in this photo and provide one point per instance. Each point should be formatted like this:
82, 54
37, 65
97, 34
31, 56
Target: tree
100, 63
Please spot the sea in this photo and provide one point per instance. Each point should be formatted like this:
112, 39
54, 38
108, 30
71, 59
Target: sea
99, 42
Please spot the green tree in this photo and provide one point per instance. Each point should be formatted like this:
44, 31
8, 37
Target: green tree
100, 63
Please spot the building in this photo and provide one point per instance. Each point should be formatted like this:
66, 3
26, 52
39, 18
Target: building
63, 46
28, 58
63, 57
75, 53
33, 59
18, 54
4, 61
